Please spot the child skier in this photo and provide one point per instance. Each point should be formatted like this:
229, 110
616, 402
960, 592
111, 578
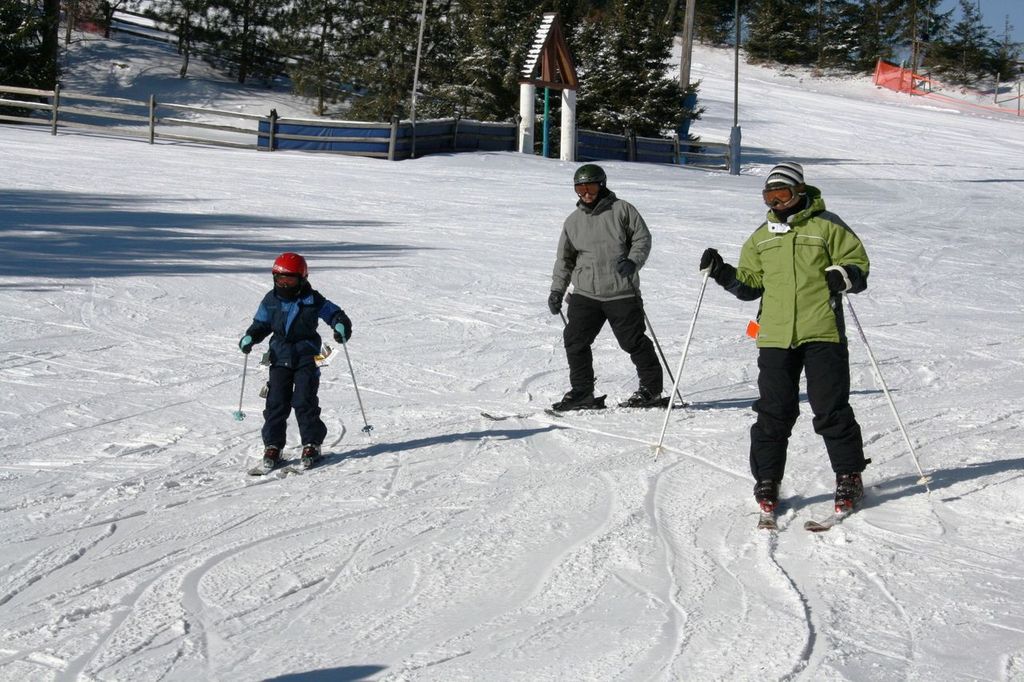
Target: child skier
289, 311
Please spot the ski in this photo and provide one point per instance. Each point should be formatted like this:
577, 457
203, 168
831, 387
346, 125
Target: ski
827, 524
660, 404
282, 470
767, 521
598, 404
260, 470
503, 417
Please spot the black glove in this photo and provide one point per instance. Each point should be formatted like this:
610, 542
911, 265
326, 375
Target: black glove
625, 267
837, 278
245, 344
342, 327
555, 302
711, 261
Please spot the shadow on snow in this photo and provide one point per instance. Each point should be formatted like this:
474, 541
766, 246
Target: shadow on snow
71, 235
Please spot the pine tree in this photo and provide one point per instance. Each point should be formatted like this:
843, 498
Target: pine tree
782, 31
969, 50
622, 55
473, 68
22, 62
837, 34
384, 57
316, 34
188, 22
1007, 59
713, 21
241, 34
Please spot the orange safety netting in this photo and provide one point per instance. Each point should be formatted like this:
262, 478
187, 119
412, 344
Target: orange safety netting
900, 79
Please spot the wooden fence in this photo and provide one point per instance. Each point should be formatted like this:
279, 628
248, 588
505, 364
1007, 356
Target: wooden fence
396, 140
595, 146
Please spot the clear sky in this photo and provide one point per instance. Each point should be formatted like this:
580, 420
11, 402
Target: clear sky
994, 13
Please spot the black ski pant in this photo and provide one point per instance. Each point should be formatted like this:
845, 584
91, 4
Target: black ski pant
293, 388
626, 317
827, 369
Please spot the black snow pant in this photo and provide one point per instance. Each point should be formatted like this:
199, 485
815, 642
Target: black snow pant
827, 369
626, 317
293, 388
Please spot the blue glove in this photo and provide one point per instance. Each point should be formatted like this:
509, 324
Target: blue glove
245, 344
342, 327
625, 267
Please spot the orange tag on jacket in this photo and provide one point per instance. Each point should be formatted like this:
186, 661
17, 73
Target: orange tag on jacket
752, 329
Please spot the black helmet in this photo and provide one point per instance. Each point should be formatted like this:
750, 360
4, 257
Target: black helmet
589, 172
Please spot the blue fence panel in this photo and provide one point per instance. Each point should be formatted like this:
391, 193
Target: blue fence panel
372, 140
593, 146
649, 150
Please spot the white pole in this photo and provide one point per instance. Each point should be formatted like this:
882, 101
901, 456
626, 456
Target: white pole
527, 95
682, 360
567, 145
881, 382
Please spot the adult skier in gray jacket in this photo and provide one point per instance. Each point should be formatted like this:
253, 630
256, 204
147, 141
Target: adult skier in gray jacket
603, 245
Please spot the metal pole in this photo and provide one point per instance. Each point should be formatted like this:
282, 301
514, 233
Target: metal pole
239, 415
682, 360
416, 78
546, 145
881, 382
650, 328
366, 426
735, 135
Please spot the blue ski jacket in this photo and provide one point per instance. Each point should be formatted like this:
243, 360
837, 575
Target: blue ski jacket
293, 323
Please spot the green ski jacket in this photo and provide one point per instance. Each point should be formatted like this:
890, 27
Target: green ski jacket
783, 264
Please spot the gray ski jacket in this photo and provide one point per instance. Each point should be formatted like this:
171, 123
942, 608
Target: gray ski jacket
591, 244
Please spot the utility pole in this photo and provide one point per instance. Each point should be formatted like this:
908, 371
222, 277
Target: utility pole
735, 135
416, 79
687, 55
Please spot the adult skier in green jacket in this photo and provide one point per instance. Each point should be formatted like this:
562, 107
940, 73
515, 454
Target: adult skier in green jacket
799, 262
603, 245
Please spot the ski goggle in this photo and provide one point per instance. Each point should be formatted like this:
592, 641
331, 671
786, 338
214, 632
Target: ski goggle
587, 188
286, 279
778, 196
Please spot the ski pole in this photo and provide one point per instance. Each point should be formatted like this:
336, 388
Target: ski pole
654, 336
682, 360
366, 427
239, 415
885, 389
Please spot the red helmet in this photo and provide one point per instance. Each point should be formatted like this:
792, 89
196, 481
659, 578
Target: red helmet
290, 264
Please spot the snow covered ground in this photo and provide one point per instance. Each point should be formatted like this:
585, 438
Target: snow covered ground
446, 546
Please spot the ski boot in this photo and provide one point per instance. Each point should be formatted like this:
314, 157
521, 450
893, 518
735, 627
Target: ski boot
767, 495
271, 457
579, 399
849, 491
644, 398
310, 455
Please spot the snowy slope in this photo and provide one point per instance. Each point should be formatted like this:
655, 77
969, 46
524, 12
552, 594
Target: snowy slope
446, 546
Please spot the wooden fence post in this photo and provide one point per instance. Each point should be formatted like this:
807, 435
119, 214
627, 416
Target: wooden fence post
630, 145
55, 104
393, 141
455, 133
273, 130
